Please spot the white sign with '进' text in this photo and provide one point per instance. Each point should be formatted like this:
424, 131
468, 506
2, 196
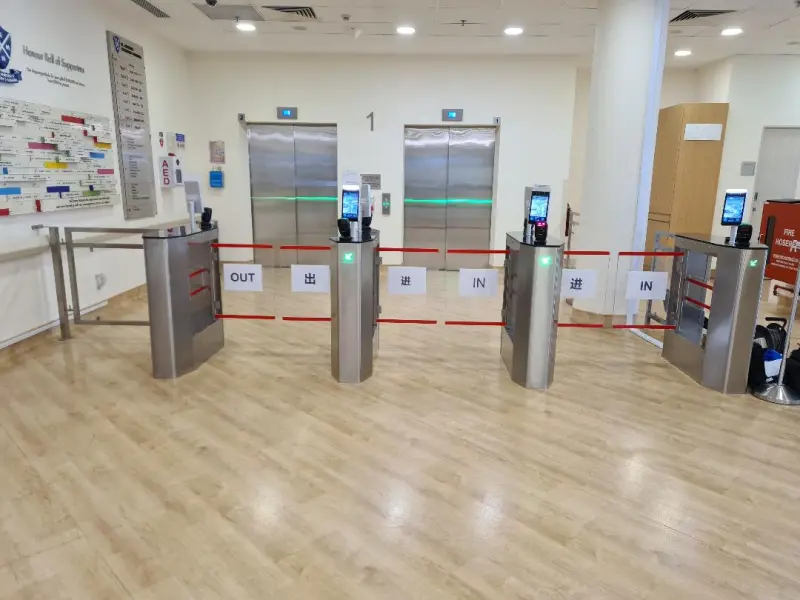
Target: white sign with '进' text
243, 278
313, 279
646, 285
578, 283
408, 280
477, 282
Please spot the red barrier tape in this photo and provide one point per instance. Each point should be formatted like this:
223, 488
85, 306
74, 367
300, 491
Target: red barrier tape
476, 323
651, 253
254, 317
587, 253
655, 327
469, 251
198, 290
408, 321
697, 303
304, 247
700, 283
194, 274
261, 246
582, 325
307, 319
415, 250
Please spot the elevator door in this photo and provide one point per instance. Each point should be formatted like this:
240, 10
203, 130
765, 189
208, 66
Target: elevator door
293, 189
449, 177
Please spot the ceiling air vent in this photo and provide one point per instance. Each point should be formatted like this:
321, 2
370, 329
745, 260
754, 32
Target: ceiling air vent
151, 8
691, 15
230, 12
291, 13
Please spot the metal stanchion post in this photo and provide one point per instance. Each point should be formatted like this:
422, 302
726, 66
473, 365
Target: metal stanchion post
61, 290
778, 393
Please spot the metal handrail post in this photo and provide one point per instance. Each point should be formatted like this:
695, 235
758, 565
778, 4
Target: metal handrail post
61, 290
73, 276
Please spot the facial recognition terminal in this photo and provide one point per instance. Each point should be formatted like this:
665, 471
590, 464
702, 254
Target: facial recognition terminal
733, 208
351, 199
537, 206
733, 214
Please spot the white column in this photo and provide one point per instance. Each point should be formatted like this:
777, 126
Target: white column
624, 100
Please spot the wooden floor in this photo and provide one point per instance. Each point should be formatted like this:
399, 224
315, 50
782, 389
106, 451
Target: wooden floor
259, 477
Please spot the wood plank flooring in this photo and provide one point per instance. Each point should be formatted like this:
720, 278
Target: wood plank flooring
259, 477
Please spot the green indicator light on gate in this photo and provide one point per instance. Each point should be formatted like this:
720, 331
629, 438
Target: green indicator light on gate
754, 262
546, 261
348, 258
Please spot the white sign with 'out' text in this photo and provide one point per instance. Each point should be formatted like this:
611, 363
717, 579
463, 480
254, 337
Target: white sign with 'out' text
477, 282
313, 279
243, 278
646, 285
578, 283
408, 280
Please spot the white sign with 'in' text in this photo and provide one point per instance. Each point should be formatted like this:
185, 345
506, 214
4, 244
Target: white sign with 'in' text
646, 285
408, 280
578, 283
477, 282
314, 279
243, 278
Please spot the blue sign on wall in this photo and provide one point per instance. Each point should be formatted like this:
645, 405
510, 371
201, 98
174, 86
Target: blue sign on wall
216, 179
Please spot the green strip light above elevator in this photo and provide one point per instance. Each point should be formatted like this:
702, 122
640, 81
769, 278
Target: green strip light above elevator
444, 201
301, 198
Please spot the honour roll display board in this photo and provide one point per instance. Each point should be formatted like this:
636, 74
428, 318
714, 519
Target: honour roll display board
129, 93
52, 159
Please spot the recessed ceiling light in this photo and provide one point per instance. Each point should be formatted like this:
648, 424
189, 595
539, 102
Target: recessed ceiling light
513, 31
406, 30
732, 31
245, 26
683, 53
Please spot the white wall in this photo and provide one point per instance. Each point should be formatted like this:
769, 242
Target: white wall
76, 30
679, 85
763, 91
534, 97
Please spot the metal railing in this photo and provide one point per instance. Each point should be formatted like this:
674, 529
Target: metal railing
58, 271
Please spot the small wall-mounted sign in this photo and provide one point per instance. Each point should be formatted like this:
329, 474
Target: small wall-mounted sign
452, 114
216, 179
287, 113
372, 179
748, 169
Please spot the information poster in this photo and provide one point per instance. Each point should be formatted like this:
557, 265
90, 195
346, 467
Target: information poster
129, 93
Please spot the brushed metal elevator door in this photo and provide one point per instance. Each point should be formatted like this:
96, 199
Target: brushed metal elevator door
470, 178
316, 188
293, 183
272, 189
425, 201
449, 178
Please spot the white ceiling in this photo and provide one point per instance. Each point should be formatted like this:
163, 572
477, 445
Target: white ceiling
555, 27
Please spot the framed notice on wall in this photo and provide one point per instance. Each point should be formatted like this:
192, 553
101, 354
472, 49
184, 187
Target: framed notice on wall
216, 152
132, 115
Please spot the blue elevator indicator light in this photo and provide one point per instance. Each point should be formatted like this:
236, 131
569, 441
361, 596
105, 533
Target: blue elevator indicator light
451, 114
287, 112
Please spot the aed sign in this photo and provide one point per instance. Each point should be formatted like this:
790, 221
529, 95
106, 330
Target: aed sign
477, 282
646, 285
243, 278
166, 173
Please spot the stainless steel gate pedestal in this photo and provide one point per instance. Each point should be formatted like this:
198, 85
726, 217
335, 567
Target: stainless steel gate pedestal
355, 281
531, 297
716, 352
183, 294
